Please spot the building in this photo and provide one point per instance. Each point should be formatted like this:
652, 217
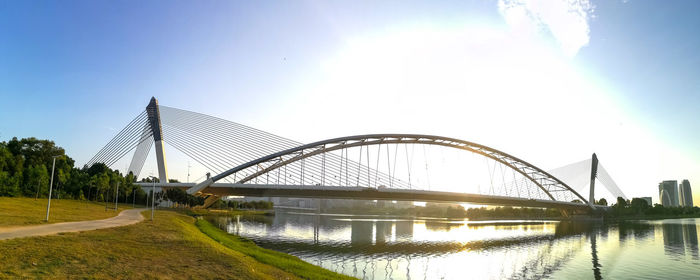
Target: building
685, 194
668, 193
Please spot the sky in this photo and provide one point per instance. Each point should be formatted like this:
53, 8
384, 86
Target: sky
548, 81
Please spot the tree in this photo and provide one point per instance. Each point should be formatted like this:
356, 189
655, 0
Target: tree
219, 204
195, 200
149, 180
101, 184
621, 202
25, 169
9, 177
260, 204
141, 196
35, 151
36, 178
97, 168
176, 195
639, 205
182, 197
602, 201
129, 186
78, 183
232, 204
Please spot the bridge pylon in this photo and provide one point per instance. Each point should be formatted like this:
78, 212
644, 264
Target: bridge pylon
156, 127
594, 175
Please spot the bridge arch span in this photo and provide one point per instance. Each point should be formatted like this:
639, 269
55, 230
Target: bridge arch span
264, 165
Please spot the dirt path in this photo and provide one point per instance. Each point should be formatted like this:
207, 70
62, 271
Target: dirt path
126, 217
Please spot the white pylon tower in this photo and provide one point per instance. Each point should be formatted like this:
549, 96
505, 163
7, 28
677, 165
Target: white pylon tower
156, 127
594, 174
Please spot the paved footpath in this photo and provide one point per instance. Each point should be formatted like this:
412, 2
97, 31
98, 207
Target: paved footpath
126, 217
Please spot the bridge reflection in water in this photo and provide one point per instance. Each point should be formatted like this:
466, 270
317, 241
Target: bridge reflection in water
372, 247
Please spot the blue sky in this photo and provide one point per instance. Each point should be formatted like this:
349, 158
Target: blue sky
78, 71
648, 53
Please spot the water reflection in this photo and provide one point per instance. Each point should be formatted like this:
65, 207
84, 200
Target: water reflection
361, 232
441, 225
679, 239
690, 236
373, 247
594, 258
404, 230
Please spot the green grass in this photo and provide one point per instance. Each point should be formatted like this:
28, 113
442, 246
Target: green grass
284, 261
19, 211
171, 247
232, 212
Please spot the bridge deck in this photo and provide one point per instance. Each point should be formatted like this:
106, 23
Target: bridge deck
334, 192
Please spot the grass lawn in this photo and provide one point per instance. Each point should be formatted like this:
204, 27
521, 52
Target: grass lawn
19, 211
231, 212
171, 247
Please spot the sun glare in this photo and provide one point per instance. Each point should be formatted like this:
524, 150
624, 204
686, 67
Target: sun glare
487, 83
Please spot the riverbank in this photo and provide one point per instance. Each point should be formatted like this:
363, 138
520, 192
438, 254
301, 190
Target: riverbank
20, 211
286, 262
172, 246
222, 212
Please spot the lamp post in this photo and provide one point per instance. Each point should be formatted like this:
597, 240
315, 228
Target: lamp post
48, 205
116, 197
153, 196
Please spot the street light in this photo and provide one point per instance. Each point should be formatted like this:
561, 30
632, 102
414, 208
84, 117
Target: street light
153, 196
48, 206
116, 197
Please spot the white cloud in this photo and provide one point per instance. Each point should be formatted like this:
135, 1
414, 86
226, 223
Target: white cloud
565, 20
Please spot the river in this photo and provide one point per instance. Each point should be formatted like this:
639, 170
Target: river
376, 247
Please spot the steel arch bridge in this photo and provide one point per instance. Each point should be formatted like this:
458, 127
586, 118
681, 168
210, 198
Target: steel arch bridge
241, 156
550, 185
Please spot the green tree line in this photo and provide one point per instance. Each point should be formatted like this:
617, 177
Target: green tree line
182, 198
25, 170
640, 207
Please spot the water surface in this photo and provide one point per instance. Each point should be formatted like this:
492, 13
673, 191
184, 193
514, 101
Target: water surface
376, 247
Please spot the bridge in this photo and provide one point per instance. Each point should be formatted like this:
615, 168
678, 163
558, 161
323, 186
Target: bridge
250, 162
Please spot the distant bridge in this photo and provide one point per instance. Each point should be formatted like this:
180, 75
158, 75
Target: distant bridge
250, 162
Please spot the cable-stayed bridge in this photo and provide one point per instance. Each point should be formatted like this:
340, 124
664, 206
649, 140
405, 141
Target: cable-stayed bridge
246, 161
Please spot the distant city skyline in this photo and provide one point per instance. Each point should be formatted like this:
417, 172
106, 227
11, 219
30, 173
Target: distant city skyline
668, 193
551, 82
673, 194
686, 193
